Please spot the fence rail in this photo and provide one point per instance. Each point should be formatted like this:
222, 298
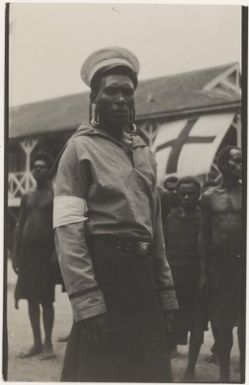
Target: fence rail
18, 184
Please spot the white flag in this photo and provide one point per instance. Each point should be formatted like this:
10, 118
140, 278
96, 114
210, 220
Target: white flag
188, 146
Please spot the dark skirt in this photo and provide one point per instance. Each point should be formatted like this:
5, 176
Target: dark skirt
35, 279
136, 350
225, 294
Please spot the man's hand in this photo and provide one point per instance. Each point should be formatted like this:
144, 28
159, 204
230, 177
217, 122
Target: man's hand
95, 328
168, 320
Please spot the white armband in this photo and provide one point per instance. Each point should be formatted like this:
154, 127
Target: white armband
68, 209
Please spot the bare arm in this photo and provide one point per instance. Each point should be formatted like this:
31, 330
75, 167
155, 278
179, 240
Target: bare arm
16, 256
204, 239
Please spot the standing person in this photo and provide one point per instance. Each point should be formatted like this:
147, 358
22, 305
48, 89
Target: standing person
170, 185
169, 198
220, 246
32, 257
212, 358
109, 236
181, 237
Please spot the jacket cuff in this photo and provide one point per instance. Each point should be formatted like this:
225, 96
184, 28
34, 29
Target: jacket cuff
87, 305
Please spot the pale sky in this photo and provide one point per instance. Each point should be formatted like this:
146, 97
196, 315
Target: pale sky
49, 42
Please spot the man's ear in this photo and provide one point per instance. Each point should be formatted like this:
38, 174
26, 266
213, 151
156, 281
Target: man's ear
92, 97
93, 114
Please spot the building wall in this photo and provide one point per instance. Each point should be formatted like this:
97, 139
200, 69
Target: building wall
53, 143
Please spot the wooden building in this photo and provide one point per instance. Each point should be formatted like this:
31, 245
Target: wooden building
159, 102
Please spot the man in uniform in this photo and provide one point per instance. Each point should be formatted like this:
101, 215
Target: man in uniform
32, 256
181, 237
109, 236
220, 246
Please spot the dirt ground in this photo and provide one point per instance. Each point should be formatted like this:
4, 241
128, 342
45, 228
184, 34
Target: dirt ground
32, 369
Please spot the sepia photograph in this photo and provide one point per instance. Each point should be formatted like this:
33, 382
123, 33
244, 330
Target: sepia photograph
125, 209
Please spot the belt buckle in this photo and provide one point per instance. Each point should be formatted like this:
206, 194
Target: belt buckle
143, 248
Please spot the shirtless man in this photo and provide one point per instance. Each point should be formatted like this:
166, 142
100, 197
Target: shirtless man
183, 224
220, 248
32, 256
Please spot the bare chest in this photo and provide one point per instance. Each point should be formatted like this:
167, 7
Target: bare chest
227, 202
40, 200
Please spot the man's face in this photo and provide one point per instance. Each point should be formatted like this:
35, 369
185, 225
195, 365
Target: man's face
40, 170
171, 188
114, 100
188, 195
234, 164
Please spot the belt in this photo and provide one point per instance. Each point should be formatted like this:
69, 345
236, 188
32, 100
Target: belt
133, 246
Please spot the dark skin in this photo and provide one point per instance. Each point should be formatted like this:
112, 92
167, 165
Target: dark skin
171, 188
221, 229
114, 101
42, 195
41, 198
169, 200
188, 197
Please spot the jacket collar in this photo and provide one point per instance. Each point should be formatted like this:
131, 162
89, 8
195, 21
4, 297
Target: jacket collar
88, 130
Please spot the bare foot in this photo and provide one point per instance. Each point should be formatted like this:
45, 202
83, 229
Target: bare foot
32, 352
47, 353
174, 353
63, 339
212, 359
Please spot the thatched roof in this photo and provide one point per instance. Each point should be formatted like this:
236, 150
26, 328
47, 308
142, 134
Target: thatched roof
166, 96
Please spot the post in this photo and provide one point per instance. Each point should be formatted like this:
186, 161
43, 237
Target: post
28, 145
237, 125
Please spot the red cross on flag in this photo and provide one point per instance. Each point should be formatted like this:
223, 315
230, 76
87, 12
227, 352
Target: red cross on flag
188, 146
